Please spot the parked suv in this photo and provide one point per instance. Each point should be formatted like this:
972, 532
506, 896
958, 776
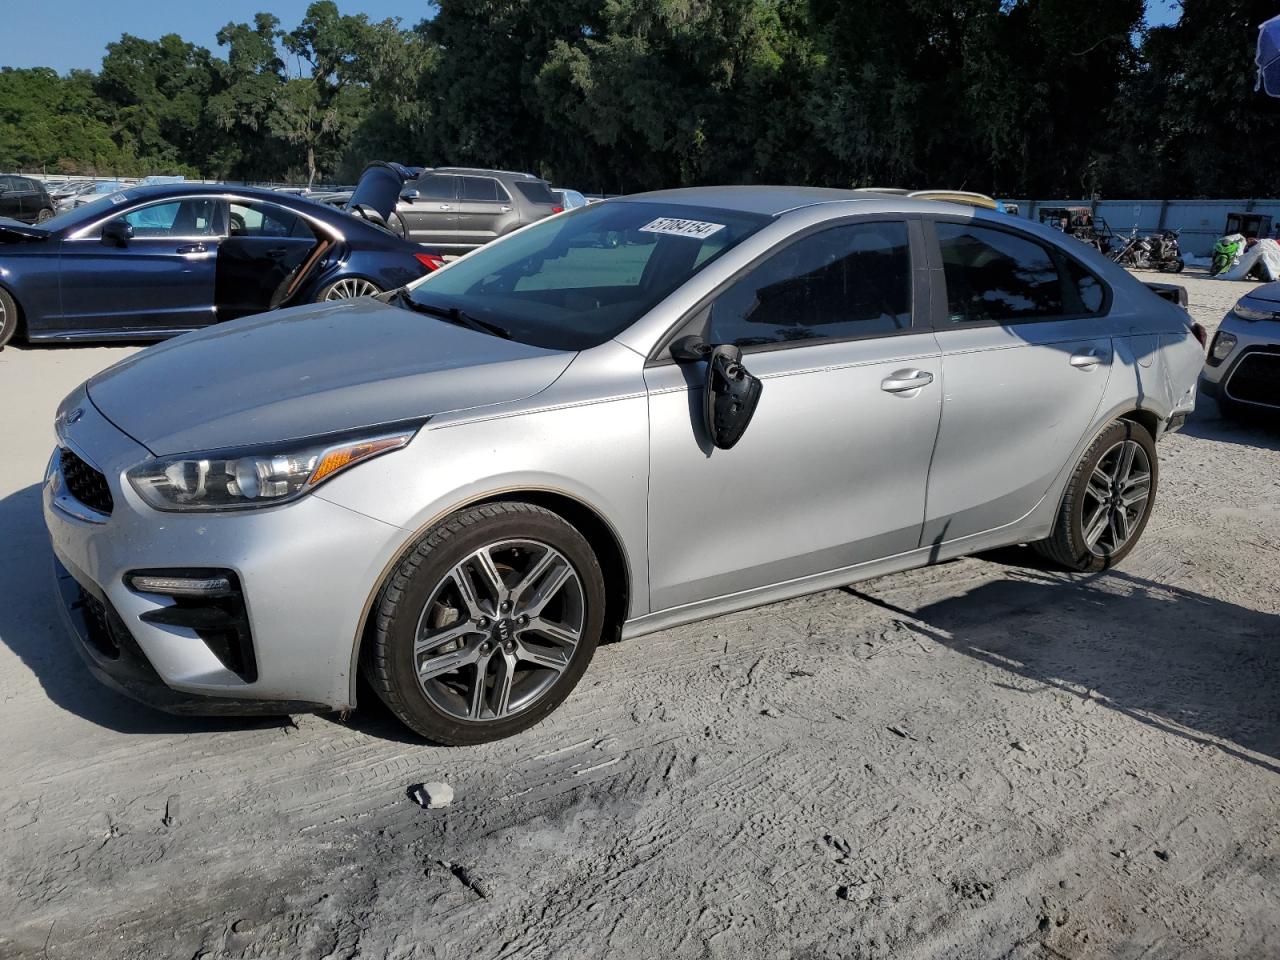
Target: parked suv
460, 208
22, 198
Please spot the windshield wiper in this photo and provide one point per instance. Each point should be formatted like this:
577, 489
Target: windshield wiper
450, 314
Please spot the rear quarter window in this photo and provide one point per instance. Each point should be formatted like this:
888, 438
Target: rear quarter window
535, 191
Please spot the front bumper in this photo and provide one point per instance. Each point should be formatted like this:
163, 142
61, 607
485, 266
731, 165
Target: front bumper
306, 572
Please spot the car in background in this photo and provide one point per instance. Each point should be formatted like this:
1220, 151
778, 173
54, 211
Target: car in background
95, 190
152, 262
570, 199
456, 209
1242, 367
463, 487
24, 199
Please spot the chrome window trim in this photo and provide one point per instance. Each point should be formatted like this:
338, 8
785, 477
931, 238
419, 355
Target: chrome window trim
333, 232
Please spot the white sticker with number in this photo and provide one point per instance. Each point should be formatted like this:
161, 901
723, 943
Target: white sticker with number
698, 229
118, 198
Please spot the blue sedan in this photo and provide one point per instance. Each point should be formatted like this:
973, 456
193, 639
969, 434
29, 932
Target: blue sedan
153, 262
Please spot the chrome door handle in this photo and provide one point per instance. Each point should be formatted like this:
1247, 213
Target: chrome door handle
193, 248
445, 206
505, 209
901, 381
1086, 360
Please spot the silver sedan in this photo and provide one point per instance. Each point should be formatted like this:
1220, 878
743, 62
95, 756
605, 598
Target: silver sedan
637, 414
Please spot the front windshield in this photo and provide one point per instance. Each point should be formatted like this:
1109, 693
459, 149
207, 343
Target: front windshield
575, 280
85, 213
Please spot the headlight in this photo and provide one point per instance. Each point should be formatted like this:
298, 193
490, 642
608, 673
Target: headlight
1223, 344
1245, 312
258, 477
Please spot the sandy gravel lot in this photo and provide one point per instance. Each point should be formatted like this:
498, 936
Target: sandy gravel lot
982, 759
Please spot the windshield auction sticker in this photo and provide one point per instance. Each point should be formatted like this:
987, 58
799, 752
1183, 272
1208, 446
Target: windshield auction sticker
698, 229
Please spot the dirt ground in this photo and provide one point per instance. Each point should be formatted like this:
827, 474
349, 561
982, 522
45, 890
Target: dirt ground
982, 759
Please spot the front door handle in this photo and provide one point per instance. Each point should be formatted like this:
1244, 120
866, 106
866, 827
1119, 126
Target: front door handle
445, 206
903, 381
1086, 359
193, 248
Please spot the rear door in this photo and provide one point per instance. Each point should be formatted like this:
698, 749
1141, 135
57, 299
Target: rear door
10, 199
161, 280
264, 258
483, 208
1026, 354
429, 209
832, 470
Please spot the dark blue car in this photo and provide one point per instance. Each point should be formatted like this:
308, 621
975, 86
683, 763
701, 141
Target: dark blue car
152, 262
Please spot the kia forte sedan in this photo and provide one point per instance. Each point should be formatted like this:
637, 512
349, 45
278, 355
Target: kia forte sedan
1242, 370
641, 413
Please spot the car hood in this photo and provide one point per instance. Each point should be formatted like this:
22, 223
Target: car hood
15, 231
1268, 291
312, 370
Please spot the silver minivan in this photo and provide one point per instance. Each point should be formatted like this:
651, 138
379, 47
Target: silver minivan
643, 412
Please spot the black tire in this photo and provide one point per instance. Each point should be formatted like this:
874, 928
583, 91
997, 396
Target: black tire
1067, 546
388, 660
10, 319
1173, 266
46, 213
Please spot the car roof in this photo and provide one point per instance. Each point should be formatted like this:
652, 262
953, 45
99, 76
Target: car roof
770, 201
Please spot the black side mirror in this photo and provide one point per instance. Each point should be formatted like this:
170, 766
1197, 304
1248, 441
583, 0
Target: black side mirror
118, 231
731, 394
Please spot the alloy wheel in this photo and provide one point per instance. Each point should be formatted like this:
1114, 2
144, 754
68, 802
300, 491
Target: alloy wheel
1115, 498
498, 630
350, 288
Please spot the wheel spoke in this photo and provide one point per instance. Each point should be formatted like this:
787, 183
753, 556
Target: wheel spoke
434, 667
502, 686
1121, 525
1101, 476
440, 637
530, 579
553, 660
476, 704
1097, 524
462, 577
489, 571
1125, 463
550, 585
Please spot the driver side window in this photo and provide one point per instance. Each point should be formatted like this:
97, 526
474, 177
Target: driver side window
844, 282
196, 217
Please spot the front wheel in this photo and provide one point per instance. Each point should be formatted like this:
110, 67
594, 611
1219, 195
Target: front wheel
1108, 501
348, 288
488, 623
8, 318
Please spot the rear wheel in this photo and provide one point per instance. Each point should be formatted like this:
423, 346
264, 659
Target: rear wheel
1108, 500
44, 214
8, 317
348, 288
488, 624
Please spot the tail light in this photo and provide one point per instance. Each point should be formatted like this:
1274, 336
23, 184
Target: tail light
432, 261
557, 209
1200, 333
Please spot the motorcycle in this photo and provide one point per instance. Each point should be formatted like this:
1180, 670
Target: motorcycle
1160, 252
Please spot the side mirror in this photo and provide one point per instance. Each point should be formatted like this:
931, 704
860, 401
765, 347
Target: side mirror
730, 395
118, 231
410, 195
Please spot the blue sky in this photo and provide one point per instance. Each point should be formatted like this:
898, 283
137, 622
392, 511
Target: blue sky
74, 33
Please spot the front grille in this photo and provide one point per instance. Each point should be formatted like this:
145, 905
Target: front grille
1256, 379
85, 483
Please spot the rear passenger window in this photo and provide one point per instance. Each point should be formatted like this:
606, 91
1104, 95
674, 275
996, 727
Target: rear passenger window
994, 276
481, 188
848, 281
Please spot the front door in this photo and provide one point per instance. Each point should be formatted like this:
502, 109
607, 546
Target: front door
429, 209
1026, 354
263, 258
160, 280
832, 470
483, 209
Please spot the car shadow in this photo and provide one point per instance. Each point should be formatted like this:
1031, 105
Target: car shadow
1191, 666
1260, 429
31, 626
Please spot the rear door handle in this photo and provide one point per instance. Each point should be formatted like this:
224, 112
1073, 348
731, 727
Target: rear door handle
1086, 359
902, 381
193, 248
445, 206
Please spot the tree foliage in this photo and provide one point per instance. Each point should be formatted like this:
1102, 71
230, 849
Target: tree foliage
1015, 97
